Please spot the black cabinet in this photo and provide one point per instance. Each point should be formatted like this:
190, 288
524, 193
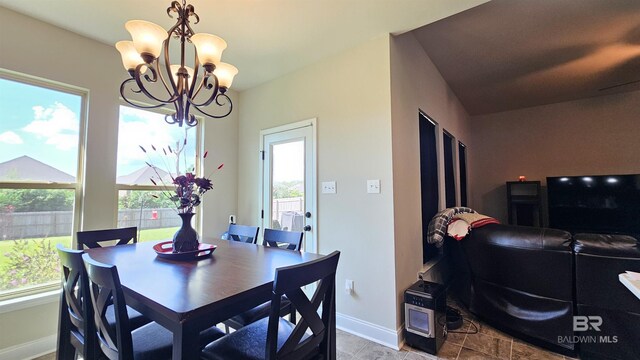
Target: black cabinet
524, 203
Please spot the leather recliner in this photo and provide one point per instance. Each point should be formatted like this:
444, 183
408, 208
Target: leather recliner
518, 279
599, 259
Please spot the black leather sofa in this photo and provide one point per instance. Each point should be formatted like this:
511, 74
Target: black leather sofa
530, 282
598, 260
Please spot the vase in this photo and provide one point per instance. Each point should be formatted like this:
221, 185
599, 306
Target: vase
186, 238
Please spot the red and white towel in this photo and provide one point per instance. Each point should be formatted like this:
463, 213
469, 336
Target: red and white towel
461, 224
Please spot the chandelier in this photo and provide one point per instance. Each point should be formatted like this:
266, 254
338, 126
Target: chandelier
177, 83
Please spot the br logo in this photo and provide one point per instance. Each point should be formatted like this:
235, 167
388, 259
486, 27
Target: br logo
584, 323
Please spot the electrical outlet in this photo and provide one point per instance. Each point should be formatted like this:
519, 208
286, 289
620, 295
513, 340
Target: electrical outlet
348, 286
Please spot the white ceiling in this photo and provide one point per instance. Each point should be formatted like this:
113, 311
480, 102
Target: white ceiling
266, 39
511, 54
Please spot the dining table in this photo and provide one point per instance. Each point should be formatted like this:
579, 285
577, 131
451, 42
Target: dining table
189, 296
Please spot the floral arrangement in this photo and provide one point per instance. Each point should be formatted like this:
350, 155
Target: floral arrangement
188, 189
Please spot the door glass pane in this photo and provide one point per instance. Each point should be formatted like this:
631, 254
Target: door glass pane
287, 191
150, 211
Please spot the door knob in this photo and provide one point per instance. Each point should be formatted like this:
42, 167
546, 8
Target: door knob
307, 228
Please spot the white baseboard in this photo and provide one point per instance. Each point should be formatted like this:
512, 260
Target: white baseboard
376, 333
31, 349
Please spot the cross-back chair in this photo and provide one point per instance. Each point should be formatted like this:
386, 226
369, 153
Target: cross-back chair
95, 238
276, 338
121, 341
76, 332
76, 327
290, 240
243, 233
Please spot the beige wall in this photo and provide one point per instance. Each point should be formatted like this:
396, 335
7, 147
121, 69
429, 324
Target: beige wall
584, 137
221, 141
416, 85
349, 96
52, 53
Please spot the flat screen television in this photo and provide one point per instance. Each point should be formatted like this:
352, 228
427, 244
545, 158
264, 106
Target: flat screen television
607, 204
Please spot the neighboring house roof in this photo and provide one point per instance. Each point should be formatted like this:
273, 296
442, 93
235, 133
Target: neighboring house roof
27, 168
143, 175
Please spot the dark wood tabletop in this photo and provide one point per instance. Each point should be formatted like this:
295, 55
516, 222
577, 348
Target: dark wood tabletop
186, 297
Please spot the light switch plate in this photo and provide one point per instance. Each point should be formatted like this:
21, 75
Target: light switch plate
373, 186
328, 187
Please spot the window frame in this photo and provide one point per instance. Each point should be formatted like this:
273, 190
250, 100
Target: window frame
463, 173
131, 187
81, 158
449, 164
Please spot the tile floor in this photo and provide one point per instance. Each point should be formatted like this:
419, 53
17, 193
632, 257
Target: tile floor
488, 343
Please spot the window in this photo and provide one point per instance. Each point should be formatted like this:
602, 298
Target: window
144, 137
428, 180
40, 176
449, 170
462, 158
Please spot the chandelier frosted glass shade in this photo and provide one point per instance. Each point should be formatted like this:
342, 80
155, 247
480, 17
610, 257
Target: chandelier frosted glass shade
130, 57
225, 73
199, 84
209, 48
147, 37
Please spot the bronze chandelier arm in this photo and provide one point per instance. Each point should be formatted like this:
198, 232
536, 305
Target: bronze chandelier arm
205, 83
228, 101
154, 72
124, 97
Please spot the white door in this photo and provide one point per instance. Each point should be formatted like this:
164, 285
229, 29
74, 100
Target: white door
289, 182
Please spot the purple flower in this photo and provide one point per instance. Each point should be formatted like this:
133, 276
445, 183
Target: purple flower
180, 180
14, 283
23, 281
204, 184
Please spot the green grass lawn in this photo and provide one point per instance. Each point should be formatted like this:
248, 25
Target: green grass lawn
31, 262
145, 235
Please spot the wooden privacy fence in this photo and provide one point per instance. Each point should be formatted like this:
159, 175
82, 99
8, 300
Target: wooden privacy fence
41, 224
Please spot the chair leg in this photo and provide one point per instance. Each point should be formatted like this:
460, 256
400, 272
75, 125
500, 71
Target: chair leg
64, 351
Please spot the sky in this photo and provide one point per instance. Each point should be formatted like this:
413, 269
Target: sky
40, 123
44, 124
288, 161
147, 129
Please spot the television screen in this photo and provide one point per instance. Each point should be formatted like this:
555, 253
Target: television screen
598, 204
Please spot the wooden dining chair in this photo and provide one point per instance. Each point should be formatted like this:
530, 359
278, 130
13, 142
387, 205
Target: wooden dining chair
76, 332
76, 329
121, 236
289, 240
276, 338
151, 341
94, 238
243, 233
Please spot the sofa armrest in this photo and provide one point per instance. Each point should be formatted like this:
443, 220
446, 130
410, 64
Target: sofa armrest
533, 260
